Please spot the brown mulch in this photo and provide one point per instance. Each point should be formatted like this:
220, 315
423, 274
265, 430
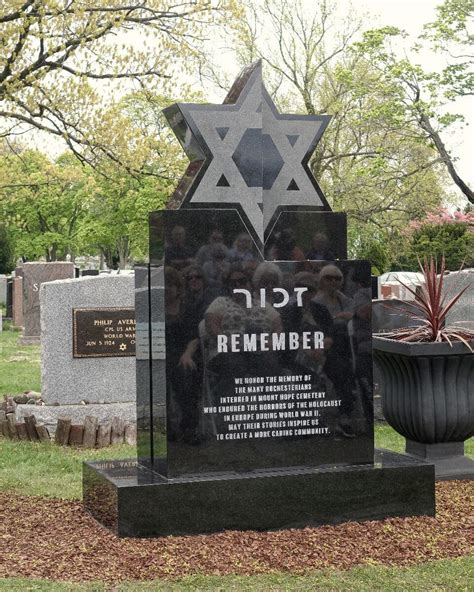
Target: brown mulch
56, 539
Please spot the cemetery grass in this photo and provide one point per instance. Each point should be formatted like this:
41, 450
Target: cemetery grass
50, 471
19, 364
445, 575
30, 468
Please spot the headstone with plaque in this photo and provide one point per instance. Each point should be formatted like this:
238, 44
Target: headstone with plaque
88, 340
254, 384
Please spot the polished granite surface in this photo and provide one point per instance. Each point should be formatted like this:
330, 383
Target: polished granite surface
265, 363
134, 501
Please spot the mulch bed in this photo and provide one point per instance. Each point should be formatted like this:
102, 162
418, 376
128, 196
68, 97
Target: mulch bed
55, 539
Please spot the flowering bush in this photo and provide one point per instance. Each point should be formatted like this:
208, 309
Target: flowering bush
445, 217
441, 234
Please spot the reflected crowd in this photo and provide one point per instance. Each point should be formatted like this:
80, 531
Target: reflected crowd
223, 289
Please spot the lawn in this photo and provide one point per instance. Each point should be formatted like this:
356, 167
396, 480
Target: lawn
19, 364
33, 469
455, 575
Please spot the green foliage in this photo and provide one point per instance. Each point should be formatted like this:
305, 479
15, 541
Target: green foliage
63, 62
117, 220
43, 203
6, 252
455, 241
369, 245
19, 365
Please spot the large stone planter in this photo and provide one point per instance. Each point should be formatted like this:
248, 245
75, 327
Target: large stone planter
428, 397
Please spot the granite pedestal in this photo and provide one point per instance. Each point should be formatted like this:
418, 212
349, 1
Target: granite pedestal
135, 502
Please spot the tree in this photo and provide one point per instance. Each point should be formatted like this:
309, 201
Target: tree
116, 224
43, 203
117, 219
451, 34
372, 161
425, 94
6, 254
57, 56
438, 234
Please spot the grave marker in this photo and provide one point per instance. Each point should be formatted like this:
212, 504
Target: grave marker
261, 352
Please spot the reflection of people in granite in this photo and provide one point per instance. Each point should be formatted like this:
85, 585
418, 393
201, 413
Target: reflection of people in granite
178, 254
312, 316
217, 267
197, 295
182, 371
320, 249
242, 249
285, 248
363, 340
339, 363
266, 277
228, 315
205, 252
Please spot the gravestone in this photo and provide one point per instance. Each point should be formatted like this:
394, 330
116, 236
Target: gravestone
88, 340
391, 314
10, 298
254, 387
3, 289
462, 314
17, 301
34, 275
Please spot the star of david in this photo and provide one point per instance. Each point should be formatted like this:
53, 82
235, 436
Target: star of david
246, 155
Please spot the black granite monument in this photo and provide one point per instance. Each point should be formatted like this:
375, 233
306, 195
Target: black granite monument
254, 363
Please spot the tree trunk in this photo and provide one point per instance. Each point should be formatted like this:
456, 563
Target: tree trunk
123, 253
441, 148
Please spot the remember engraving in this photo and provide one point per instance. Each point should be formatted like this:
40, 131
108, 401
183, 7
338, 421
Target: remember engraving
103, 332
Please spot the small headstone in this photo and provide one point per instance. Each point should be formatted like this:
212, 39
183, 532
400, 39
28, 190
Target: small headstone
10, 298
90, 432
76, 434
103, 435
30, 421
17, 302
462, 313
3, 289
117, 432
62, 431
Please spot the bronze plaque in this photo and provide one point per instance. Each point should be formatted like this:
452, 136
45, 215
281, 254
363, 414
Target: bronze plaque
103, 332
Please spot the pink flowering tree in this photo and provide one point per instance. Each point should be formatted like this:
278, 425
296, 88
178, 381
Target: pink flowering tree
441, 233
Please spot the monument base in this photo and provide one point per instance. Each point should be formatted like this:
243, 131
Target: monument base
134, 501
448, 459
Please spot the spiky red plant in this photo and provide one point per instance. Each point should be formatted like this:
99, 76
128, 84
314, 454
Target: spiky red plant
430, 308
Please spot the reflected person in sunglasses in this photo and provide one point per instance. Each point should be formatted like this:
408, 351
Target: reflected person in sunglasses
339, 363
